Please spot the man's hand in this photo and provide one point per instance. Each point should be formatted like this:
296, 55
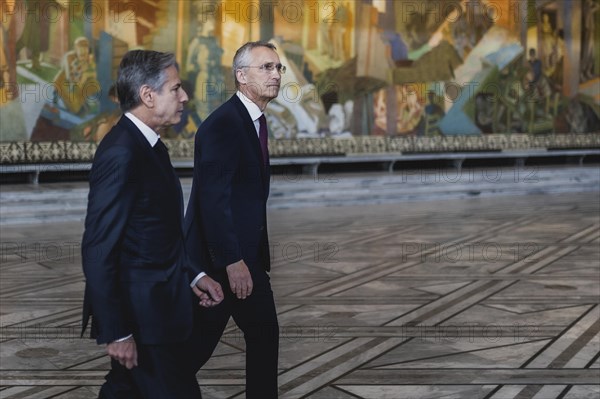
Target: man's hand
209, 292
240, 279
125, 352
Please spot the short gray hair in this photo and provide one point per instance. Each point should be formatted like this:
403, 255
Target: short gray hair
242, 56
139, 68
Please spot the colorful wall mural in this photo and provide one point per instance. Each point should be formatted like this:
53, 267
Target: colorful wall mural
394, 68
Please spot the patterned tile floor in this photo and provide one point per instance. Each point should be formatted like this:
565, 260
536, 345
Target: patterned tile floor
461, 298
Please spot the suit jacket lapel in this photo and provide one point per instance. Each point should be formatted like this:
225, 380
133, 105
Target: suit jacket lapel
253, 139
145, 147
168, 173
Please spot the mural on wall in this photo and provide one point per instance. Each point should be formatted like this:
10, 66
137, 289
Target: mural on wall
371, 67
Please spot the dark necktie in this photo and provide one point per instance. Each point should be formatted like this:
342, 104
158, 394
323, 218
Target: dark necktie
263, 137
163, 154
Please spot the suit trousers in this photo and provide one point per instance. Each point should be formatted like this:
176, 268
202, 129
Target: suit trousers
257, 318
163, 371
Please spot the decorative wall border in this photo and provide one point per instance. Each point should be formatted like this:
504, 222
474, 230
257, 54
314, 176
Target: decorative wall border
72, 151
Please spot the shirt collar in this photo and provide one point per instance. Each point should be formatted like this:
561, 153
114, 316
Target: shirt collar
148, 133
252, 108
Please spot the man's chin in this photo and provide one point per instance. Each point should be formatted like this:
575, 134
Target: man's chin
273, 92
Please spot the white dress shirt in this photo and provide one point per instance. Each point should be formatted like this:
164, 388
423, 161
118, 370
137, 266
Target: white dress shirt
252, 108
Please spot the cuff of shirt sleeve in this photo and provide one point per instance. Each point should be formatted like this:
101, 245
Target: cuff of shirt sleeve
124, 338
198, 277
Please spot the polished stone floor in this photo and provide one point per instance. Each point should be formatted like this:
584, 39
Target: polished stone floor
481, 297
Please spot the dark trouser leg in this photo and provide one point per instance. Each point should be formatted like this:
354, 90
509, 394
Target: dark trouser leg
257, 318
209, 324
164, 372
119, 384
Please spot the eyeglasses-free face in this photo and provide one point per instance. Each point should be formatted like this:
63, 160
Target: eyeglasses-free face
268, 67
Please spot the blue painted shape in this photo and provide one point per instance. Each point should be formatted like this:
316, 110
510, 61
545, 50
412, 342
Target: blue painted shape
505, 56
456, 121
104, 70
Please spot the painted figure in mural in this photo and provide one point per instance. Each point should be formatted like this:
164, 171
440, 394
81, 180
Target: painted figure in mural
36, 33
76, 84
106, 121
204, 66
468, 27
535, 66
379, 113
484, 113
324, 38
5, 81
298, 112
460, 36
419, 28
139, 287
308, 75
338, 30
226, 219
581, 117
547, 39
433, 114
340, 119
349, 111
512, 105
536, 83
337, 119
589, 39
554, 71
398, 51
409, 111
190, 121
12, 120
524, 100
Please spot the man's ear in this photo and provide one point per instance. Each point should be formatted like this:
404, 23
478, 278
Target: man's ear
241, 76
147, 96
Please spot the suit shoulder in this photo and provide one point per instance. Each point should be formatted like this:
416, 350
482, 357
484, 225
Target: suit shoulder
228, 111
114, 158
116, 148
119, 141
226, 116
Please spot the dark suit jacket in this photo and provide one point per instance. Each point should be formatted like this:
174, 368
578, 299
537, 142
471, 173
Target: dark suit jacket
226, 218
132, 246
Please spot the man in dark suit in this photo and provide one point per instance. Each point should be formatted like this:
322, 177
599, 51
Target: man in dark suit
138, 282
226, 219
